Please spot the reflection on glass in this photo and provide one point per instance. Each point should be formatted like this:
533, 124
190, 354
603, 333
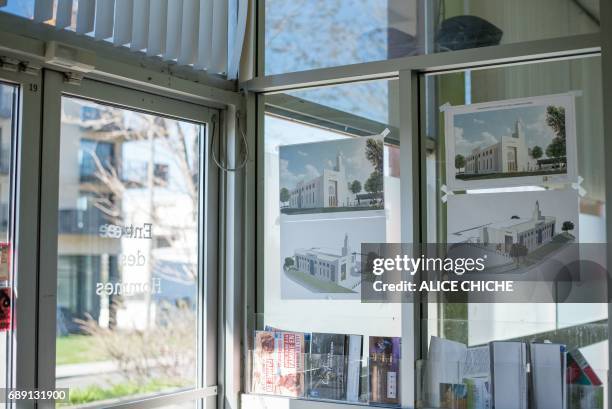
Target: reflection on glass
8, 97
314, 34
127, 253
579, 326
307, 246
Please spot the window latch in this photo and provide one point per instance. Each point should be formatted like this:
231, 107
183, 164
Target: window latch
9, 64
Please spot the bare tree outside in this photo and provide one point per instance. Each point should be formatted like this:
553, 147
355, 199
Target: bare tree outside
141, 174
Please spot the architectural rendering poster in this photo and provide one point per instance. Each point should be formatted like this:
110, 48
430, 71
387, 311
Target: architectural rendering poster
518, 142
321, 255
531, 224
332, 176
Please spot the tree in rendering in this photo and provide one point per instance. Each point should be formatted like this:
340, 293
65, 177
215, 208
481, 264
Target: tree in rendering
555, 118
556, 150
459, 162
567, 226
284, 195
374, 154
536, 153
374, 184
289, 263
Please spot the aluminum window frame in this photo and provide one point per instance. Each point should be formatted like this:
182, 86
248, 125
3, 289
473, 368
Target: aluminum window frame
25, 202
407, 70
208, 225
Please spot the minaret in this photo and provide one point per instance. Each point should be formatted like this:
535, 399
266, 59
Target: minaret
537, 214
345, 249
339, 163
519, 129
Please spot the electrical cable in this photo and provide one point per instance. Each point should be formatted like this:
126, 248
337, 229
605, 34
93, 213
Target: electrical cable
245, 146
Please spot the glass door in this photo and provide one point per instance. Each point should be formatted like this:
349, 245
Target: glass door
127, 243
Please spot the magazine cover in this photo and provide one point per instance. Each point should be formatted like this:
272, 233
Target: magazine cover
327, 366
278, 363
384, 369
579, 371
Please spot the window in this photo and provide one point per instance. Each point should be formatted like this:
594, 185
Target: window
312, 252
94, 155
128, 253
312, 34
478, 323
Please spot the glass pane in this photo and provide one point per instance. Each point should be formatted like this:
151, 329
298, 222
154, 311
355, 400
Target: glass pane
499, 149
8, 114
22, 8
314, 34
127, 253
331, 184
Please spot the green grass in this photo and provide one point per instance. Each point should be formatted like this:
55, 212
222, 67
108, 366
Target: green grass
557, 243
290, 211
463, 176
95, 393
314, 284
76, 349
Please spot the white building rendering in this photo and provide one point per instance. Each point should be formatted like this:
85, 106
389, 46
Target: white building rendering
532, 233
327, 190
326, 265
510, 154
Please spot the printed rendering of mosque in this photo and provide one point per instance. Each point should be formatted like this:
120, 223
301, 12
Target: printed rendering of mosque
327, 190
532, 233
327, 265
510, 154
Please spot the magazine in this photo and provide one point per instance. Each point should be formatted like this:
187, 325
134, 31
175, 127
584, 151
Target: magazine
384, 369
326, 377
278, 363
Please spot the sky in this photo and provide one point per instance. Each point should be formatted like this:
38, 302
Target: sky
307, 161
309, 34
482, 129
23, 8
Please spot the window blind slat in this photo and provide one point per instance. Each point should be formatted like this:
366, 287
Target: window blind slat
236, 43
189, 32
123, 22
173, 31
43, 10
104, 21
204, 35
140, 25
158, 19
64, 14
85, 16
218, 62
